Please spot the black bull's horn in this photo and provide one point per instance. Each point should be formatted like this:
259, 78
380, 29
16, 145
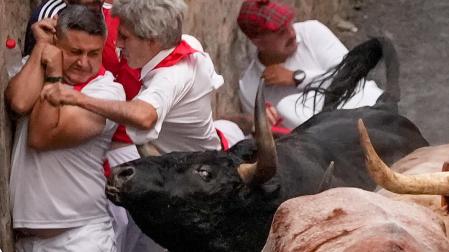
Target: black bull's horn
430, 183
265, 167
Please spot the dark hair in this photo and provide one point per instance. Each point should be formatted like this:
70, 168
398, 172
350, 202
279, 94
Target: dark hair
92, 4
81, 18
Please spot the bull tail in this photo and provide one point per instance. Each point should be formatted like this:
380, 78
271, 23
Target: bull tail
354, 68
392, 91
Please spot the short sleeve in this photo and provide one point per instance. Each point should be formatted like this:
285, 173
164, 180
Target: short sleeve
105, 88
327, 48
162, 91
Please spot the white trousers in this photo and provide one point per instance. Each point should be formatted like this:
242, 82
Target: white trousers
92, 237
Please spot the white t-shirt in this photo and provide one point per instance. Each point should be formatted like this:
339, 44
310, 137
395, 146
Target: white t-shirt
181, 95
63, 188
318, 50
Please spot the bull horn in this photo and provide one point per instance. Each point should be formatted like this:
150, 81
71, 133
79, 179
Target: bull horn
147, 149
431, 183
265, 167
326, 182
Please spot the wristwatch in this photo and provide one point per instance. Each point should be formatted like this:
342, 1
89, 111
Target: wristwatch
299, 76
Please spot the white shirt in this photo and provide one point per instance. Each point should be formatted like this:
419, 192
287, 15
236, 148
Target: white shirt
318, 50
181, 95
63, 188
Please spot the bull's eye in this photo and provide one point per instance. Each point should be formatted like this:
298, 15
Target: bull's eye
203, 172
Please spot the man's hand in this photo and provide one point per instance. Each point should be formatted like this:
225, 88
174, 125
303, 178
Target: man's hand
58, 95
273, 117
51, 58
44, 30
278, 75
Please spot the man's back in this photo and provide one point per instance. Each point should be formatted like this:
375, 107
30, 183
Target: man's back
184, 117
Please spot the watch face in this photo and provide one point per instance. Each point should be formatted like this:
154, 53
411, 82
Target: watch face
299, 75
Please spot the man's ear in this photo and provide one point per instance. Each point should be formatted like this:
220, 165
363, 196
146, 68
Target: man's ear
56, 39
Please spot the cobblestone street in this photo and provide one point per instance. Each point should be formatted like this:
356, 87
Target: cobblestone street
420, 32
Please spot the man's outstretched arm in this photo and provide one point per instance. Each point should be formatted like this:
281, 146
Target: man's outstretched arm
62, 127
135, 113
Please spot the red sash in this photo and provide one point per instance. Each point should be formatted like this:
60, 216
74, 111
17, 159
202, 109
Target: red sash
111, 60
223, 140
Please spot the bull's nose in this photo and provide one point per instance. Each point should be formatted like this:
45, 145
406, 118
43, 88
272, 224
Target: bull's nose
125, 173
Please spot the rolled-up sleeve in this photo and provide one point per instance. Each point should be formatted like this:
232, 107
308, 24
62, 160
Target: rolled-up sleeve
328, 49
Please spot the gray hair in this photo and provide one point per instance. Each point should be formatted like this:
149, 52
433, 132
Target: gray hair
81, 18
153, 19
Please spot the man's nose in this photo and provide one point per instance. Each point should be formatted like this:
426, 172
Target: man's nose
82, 61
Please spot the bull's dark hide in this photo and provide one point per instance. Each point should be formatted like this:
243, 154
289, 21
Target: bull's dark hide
198, 202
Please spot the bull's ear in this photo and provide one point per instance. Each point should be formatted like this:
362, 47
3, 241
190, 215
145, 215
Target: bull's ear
246, 150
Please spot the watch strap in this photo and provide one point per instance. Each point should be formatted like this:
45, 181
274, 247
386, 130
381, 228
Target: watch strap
53, 79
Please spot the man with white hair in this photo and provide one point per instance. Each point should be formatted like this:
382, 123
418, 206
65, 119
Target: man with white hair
173, 108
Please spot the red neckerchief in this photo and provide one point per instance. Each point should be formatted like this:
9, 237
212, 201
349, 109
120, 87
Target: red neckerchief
181, 51
126, 76
101, 72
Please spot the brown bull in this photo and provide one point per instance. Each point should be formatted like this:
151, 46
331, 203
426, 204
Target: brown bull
350, 219
436, 183
411, 178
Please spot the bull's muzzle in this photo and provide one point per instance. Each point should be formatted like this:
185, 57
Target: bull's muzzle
119, 177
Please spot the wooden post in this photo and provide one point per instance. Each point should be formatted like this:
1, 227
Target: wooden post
6, 239
14, 16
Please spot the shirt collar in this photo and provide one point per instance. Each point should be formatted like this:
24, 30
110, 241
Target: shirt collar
154, 62
107, 6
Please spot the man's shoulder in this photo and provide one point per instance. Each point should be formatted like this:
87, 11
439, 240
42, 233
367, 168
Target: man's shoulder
181, 70
105, 87
308, 25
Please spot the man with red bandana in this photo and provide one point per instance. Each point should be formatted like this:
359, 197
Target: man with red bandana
289, 57
57, 182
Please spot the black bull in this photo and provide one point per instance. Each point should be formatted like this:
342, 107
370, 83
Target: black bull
225, 201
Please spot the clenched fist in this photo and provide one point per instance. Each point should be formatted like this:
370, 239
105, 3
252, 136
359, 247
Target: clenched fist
278, 75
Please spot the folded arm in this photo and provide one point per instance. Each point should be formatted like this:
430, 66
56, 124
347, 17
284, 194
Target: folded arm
62, 127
